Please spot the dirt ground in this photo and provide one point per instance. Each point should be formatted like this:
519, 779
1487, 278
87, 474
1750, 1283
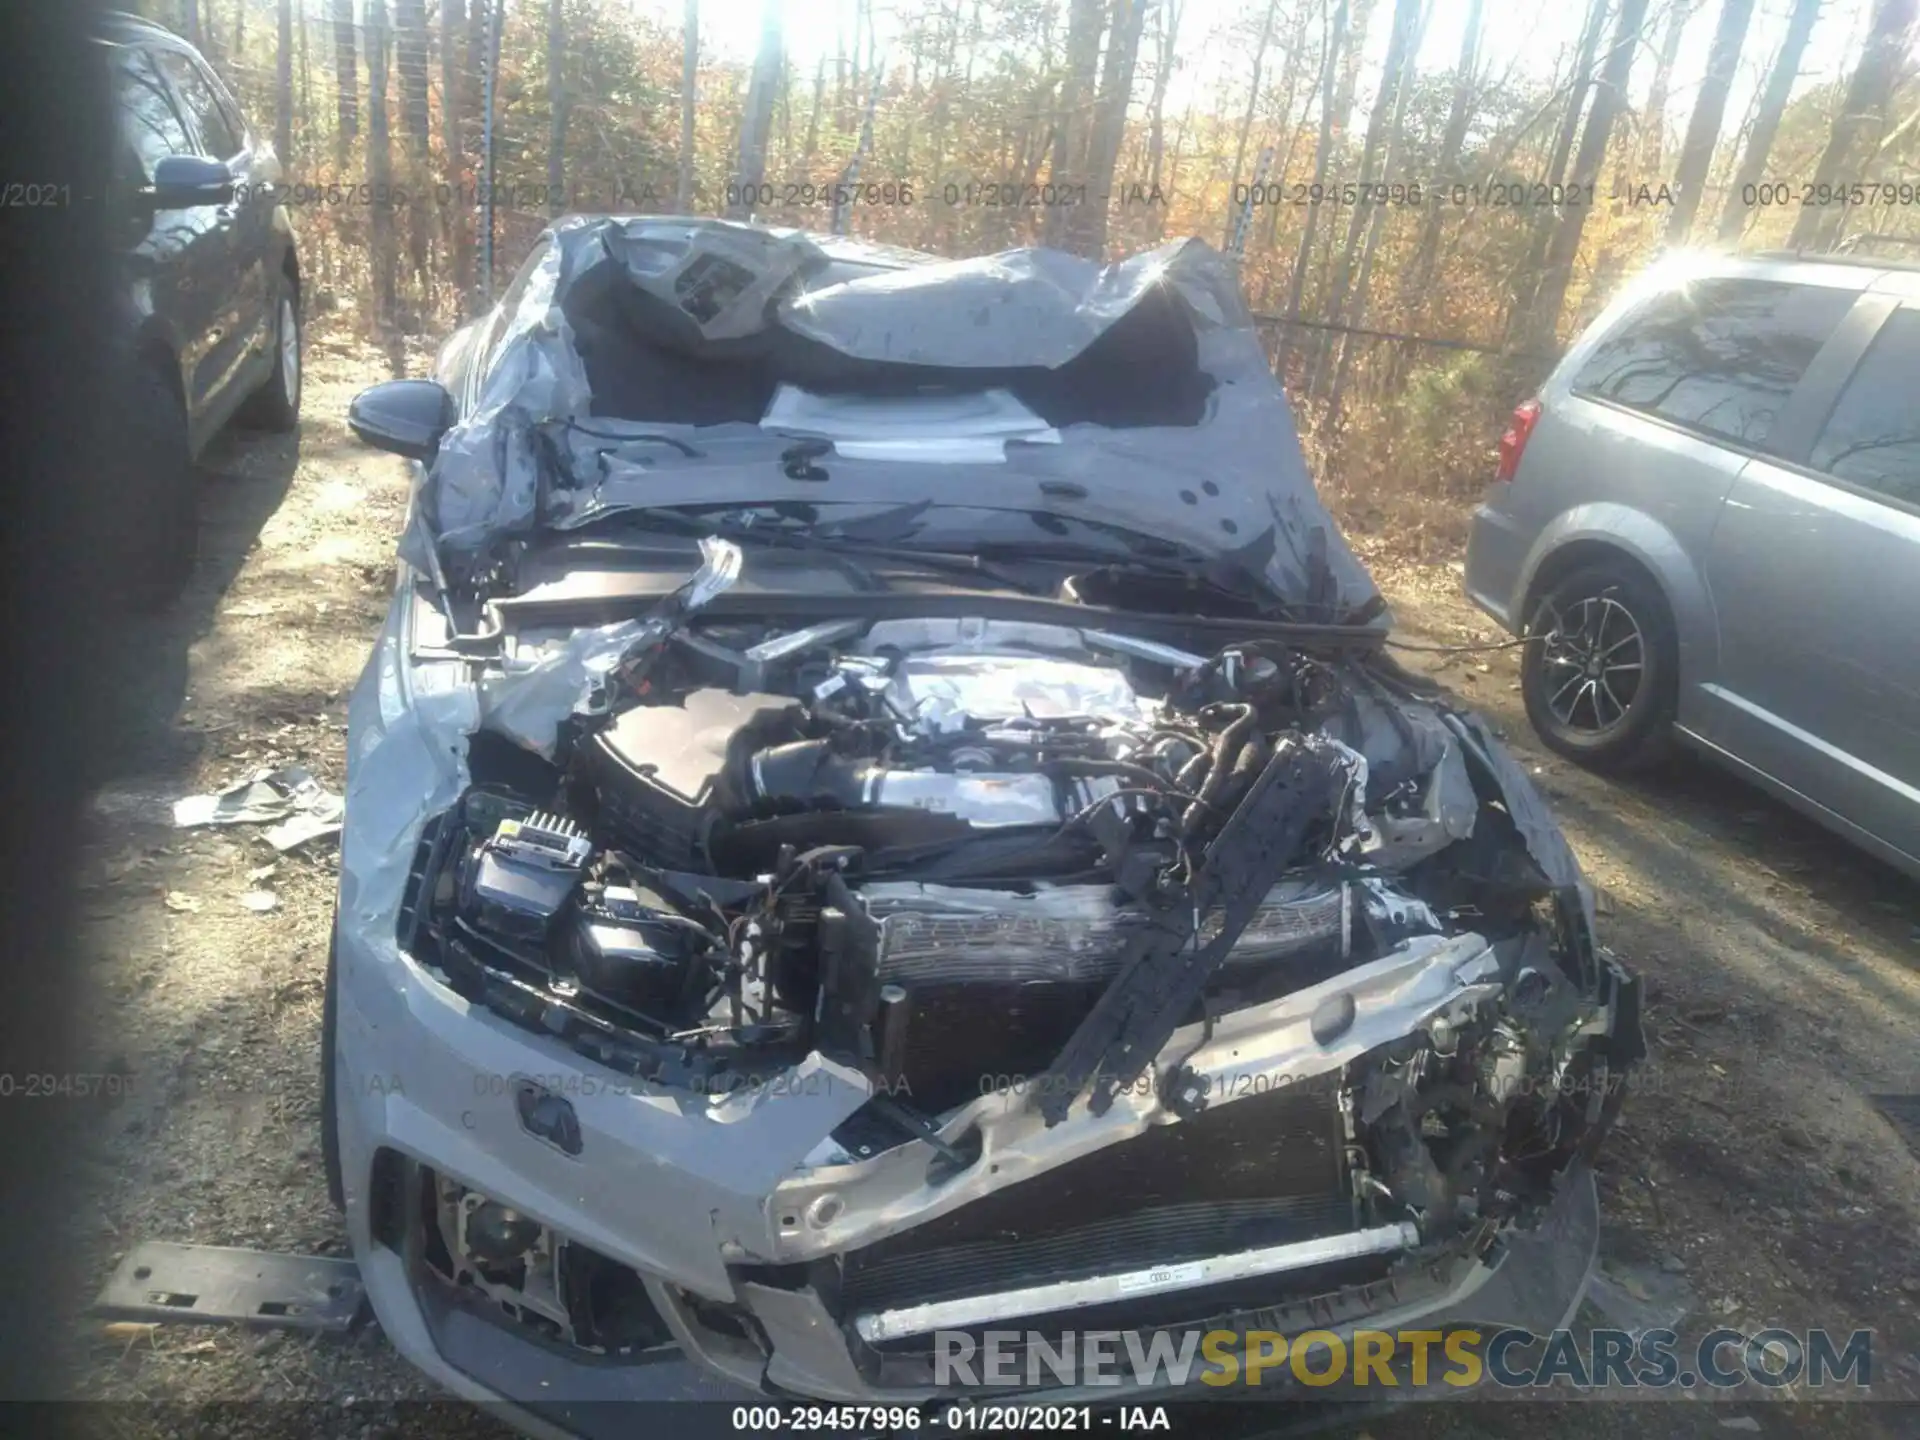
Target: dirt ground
1752, 1183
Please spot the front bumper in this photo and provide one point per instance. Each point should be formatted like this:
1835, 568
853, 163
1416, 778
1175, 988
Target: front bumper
430, 1079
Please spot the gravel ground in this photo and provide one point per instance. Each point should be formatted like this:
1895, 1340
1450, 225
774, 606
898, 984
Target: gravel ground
1751, 1178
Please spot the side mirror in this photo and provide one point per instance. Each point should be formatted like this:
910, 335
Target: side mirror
183, 182
407, 417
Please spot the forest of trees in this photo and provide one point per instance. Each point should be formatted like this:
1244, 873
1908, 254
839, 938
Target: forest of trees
603, 104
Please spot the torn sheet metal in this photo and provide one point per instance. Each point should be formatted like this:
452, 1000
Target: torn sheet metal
484, 480
305, 809
1230, 481
1545, 843
1020, 307
407, 727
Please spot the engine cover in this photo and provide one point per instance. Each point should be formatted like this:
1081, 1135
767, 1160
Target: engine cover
664, 773
947, 692
809, 773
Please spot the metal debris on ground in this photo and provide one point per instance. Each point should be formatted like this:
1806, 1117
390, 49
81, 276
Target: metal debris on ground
1638, 1298
304, 808
204, 1284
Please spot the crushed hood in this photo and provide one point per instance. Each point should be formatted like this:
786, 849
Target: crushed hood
636, 362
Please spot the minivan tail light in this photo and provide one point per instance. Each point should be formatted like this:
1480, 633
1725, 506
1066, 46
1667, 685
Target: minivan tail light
1525, 414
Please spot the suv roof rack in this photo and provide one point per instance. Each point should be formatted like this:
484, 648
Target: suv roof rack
1846, 254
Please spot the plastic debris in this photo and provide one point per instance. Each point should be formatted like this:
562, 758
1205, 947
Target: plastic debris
260, 901
304, 808
292, 834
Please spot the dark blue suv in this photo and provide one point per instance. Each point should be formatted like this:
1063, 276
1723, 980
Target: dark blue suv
211, 287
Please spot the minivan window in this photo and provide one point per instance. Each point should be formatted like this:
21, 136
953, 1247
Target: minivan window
1872, 439
1717, 356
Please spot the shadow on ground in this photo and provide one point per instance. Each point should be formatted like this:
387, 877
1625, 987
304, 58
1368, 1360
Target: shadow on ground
244, 476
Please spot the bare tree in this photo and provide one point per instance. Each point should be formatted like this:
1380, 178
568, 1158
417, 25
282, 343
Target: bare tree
410, 54
1353, 49
1069, 133
380, 168
283, 86
1544, 222
556, 106
946, 57
756, 123
1167, 38
453, 23
1109, 125
1406, 15
1459, 114
1294, 128
950, 226
1253, 103
346, 81
689, 87
411, 50
1703, 129
903, 156
1766, 125
306, 85
474, 101
810, 146
1653, 139
785, 103
1323, 151
1861, 113
1583, 63
1357, 310
1543, 318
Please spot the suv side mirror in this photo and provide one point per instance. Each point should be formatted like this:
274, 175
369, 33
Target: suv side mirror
183, 182
407, 417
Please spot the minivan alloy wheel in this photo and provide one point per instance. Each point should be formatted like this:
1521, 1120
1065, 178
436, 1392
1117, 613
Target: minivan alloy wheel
1601, 670
1593, 656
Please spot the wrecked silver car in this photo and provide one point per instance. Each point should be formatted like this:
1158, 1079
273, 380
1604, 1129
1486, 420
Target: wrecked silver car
880, 811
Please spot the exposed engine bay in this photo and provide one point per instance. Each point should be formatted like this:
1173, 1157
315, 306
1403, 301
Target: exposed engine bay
1007, 877
986, 858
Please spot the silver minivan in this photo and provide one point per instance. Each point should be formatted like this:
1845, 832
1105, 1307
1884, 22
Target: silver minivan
1708, 522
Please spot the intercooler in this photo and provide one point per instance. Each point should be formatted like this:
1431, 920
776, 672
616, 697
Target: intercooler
1268, 1170
985, 985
